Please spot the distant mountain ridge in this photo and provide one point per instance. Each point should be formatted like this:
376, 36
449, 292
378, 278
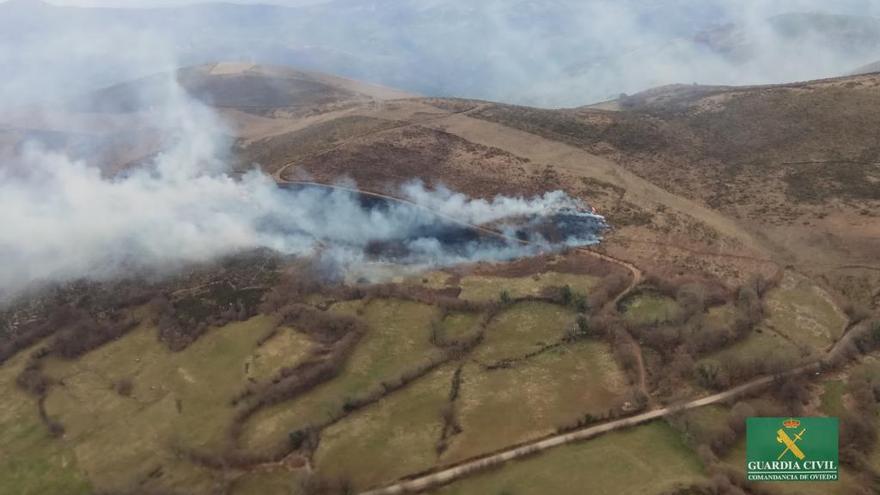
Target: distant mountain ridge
559, 53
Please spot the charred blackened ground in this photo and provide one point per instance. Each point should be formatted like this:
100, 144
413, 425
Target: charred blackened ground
422, 236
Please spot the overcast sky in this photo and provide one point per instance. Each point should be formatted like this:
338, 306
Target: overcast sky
549, 53
166, 3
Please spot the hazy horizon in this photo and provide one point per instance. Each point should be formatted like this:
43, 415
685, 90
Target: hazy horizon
559, 54
169, 3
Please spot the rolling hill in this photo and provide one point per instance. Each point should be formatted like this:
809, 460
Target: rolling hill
739, 278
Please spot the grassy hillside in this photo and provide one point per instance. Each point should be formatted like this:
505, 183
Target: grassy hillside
743, 244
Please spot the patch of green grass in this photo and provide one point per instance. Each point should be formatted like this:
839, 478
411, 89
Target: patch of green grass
761, 343
398, 340
458, 326
200, 380
804, 313
31, 462
720, 318
832, 397
648, 459
649, 308
286, 348
485, 288
392, 438
507, 406
178, 398
523, 328
703, 422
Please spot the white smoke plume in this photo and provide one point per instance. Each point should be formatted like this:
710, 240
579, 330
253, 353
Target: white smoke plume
64, 219
481, 211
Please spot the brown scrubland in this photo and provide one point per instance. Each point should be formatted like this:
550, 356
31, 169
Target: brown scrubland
742, 253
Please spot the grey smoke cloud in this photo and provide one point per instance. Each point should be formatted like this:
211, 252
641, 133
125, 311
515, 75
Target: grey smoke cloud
171, 3
65, 219
545, 53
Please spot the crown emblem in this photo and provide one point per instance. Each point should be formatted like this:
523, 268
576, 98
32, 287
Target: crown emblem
791, 423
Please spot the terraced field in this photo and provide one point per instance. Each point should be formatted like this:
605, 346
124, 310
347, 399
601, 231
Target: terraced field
279, 379
130, 408
398, 340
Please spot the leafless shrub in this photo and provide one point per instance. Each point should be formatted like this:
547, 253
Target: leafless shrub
124, 387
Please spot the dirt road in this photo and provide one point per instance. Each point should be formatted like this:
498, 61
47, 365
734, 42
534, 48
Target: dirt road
463, 469
636, 274
450, 474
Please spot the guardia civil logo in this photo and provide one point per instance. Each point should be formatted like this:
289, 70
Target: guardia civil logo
791, 449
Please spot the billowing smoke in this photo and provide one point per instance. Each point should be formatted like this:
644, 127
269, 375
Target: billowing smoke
459, 206
64, 218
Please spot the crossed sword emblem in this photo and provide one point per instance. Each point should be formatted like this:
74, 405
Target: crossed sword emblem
790, 443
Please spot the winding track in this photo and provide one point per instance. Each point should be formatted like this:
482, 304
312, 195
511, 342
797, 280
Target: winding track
451, 473
635, 279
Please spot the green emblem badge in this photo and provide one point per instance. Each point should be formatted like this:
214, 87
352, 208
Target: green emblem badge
791, 449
